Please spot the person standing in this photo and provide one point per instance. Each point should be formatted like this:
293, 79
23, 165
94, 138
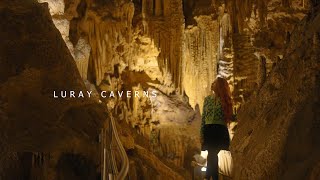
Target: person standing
216, 116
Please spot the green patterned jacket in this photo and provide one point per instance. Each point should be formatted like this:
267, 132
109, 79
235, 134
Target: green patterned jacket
212, 112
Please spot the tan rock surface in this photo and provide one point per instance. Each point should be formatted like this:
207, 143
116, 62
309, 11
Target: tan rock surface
278, 130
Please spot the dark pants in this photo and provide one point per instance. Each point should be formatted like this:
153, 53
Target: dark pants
212, 164
216, 138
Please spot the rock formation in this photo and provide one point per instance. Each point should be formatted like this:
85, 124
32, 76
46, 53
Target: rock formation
277, 135
35, 61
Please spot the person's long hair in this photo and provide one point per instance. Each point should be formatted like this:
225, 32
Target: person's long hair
222, 90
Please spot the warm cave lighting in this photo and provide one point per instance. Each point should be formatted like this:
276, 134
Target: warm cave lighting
204, 154
203, 169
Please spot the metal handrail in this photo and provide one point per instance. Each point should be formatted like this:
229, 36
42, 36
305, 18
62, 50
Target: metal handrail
125, 161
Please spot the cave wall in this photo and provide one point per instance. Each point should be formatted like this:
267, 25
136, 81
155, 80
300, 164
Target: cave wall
277, 135
36, 128
261, 36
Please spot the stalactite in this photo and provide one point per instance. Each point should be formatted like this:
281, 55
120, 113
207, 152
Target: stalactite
199, 59
241, 10
167, 36
158, 7
106, 35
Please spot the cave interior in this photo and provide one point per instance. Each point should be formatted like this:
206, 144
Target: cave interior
115, 89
